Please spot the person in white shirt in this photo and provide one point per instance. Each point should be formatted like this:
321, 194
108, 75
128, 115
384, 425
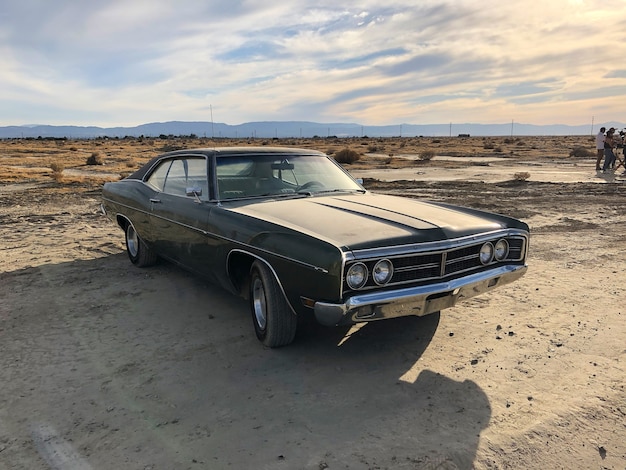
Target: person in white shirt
600, 147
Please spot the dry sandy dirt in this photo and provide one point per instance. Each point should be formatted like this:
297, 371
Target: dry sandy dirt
107, 366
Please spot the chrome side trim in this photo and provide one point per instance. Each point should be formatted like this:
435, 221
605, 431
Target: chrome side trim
416, 301
232, 241
267, 252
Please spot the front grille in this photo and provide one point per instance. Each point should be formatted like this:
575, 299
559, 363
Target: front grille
440, 265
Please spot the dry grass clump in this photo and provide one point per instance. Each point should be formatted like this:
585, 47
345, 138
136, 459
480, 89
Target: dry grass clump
581, 152
347, 155
57, 171
427, 155
95, 159
521, 176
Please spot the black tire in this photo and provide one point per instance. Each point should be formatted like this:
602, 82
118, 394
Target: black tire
275, 323
138, 252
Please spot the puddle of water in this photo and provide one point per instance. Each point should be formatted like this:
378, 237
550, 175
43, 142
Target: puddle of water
450, 158
495, 174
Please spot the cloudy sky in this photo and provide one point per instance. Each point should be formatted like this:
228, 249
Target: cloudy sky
128, 62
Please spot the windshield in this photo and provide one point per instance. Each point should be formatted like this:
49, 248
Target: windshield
272, 175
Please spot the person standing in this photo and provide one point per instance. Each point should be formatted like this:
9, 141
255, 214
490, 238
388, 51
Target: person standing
609, 156
599, 147
622, 137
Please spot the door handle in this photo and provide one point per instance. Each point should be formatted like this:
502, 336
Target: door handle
155, 200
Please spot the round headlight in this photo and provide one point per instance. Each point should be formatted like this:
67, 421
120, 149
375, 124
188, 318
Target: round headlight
356, 277
486, 253
502, 249
382, 272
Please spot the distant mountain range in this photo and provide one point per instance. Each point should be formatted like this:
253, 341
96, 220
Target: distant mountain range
295, 129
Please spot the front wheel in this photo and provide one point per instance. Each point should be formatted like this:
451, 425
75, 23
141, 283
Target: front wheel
138, 252
274, 322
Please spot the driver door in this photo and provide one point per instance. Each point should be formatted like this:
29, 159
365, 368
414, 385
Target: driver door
179, 211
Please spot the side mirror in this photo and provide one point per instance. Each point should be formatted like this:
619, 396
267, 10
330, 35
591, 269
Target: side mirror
284, 165
193, 191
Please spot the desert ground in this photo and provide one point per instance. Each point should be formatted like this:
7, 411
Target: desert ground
107, 366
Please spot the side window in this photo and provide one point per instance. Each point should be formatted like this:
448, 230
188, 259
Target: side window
175, 180
197, 177
157, 178
181, 175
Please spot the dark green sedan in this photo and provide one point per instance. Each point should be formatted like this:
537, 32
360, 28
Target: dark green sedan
293, 232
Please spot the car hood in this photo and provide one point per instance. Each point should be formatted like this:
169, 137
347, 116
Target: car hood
360, 221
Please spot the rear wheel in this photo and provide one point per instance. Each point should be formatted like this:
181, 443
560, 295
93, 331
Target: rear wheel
274, 323
138, 252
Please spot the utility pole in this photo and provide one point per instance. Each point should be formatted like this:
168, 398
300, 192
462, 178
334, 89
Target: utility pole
212, 128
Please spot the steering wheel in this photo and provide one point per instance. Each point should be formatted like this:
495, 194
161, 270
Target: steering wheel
310, 184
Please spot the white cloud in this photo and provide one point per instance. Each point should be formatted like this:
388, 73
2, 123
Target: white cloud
128, 62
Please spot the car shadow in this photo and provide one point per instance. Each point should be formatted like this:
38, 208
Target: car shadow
140, 367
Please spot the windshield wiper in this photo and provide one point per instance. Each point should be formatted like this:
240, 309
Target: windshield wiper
362, 191
284, 195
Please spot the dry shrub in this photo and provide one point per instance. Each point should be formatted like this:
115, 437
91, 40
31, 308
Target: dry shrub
581, 152
95, 159
521, 176
427, 155
489, 145
57, 171
347, 156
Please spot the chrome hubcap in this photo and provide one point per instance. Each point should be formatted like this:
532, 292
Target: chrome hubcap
132, 241
258, 303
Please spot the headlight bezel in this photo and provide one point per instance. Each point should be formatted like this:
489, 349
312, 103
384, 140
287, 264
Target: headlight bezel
503, 249
389, 272
364, 275
486, 253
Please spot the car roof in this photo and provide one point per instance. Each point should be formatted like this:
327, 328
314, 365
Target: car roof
239, 151
224, 152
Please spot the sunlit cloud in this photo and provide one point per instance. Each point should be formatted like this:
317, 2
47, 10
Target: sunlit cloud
126, 62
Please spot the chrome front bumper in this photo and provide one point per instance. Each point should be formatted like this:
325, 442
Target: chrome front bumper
416, 301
